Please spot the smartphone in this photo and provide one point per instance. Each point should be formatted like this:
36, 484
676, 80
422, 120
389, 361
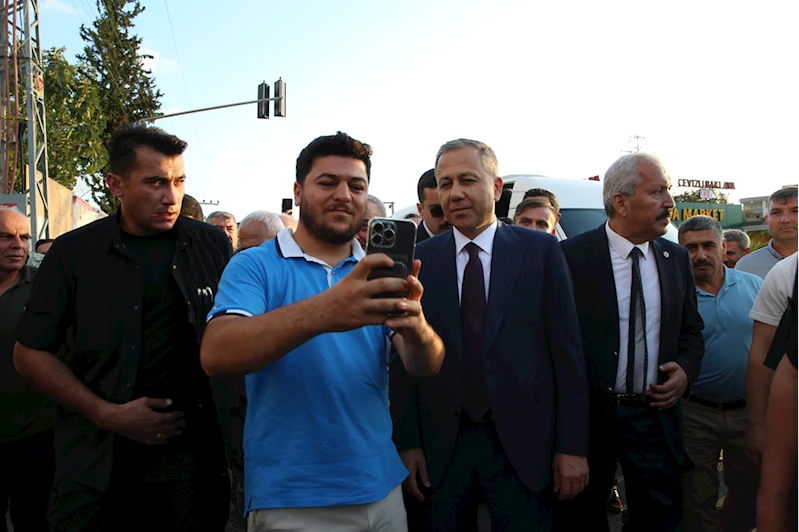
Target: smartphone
397, 239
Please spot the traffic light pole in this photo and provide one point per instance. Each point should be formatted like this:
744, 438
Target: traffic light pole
170, 115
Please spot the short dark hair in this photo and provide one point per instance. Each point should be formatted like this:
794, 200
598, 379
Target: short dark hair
43, 241
428, 180
125, 141
191, 208
339, 144
543, 193
783, 195
533, 203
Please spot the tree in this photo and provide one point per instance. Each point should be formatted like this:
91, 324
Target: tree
75, 122
125, 87
692, 196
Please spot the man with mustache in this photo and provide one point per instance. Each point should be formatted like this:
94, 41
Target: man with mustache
26, 415
297, 316
138, 443
781, 219
642, 336
429, 207
714, 412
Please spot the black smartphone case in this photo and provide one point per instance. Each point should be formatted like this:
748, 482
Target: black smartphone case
400, 248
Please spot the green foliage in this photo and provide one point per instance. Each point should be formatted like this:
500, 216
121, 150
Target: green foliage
126, 89
692, 196
75, 122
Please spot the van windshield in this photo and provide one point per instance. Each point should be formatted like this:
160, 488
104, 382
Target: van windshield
577, 221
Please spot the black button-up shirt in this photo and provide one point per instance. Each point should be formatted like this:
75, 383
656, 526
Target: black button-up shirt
90, 283
24, 410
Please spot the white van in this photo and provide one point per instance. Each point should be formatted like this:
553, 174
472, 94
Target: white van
581, 205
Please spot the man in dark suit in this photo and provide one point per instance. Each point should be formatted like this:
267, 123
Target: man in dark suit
508, 412
642, 336
429, 206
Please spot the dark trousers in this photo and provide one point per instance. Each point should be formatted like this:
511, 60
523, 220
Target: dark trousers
197, 501
652, 475
27, 466
480, 470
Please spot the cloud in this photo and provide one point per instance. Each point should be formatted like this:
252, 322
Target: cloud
57, 6
158, 63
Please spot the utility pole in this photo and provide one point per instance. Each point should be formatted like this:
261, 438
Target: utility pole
21, 79
640, 142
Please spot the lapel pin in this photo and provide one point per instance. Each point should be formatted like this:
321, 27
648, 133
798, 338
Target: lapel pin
666, 254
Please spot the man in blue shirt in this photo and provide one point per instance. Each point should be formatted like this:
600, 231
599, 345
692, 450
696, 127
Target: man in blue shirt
297, 315
715, 411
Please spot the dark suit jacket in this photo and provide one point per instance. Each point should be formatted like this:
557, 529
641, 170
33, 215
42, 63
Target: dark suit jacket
681, 326
533, 360
421, 233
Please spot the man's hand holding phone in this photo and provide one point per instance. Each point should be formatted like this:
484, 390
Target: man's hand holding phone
352, 300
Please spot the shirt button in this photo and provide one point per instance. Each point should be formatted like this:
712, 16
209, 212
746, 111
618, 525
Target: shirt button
615, 353
174, 266
127, 385
135, 307
132, 348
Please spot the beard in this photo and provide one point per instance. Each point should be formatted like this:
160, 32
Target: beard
311, 219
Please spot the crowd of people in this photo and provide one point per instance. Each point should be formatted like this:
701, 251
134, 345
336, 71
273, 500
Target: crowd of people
162, 370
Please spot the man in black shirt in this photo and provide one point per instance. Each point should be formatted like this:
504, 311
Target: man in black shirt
26, 416
138, 443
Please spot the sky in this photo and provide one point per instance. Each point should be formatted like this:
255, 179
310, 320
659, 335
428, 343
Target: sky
555, 88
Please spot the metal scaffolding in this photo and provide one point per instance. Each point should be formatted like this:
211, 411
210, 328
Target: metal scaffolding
22, 86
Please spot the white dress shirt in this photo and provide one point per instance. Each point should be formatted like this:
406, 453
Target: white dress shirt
427, 229
485, 241
620, 249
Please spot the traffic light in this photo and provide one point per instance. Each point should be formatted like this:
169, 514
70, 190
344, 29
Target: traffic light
280, 95
263, 107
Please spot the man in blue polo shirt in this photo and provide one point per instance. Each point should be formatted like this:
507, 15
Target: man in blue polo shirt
297, 315
715, 411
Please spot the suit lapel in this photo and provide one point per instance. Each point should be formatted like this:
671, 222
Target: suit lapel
503, 275
599, 256
667, 289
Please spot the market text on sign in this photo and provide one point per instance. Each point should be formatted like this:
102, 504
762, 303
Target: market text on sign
718, 214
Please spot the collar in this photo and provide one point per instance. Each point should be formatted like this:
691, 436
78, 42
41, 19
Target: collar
289, 248
484, 240
183, 239
27, 277
623, 246
730, 279
429, 232
770, 249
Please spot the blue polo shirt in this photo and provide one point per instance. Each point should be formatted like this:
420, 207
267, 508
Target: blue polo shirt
318, 428
728, 337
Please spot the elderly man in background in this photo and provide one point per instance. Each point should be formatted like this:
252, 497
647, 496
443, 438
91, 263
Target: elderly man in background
738, 244
374, 209
227, 223
27, 463
258, 227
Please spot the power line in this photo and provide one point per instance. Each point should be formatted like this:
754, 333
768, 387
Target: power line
185, 85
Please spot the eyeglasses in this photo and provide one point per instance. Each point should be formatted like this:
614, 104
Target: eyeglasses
436, 211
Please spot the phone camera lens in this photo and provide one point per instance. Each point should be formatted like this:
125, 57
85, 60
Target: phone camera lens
377, 227
389, 234
377, 239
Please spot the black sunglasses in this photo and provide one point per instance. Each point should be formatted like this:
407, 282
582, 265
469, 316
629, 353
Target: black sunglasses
436, 211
